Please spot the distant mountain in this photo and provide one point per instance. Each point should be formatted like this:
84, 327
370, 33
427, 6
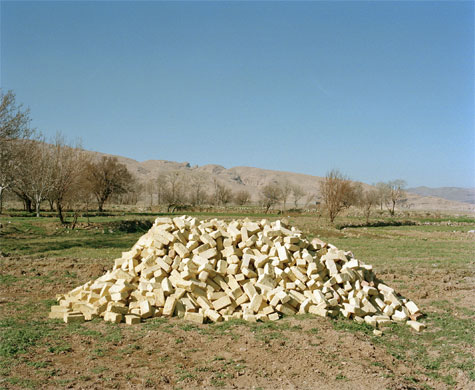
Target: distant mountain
466, 195
254, 179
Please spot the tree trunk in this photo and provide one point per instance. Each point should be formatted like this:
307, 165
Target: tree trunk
37, 207
1, 199
100, 204
51, 205
60, 212
28, 207
87, 212
75, 219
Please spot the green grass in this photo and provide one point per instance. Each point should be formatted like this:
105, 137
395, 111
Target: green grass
441, 348
8, 280
351, 326
439, 353
18, 337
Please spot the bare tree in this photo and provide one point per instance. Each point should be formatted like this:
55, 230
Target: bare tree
271, 194
174, 193
21, 185
337, 192
69, 164
161, 181
107, 176
382, 191
14, 126
395, 193
285, 190
41, 173
131, 196
298, 193
310, 198
367, 200
150, 187
222, 193
197, 191
80, 194
242, 197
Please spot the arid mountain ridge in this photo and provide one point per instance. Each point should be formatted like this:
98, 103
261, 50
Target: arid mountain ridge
253, 179
458, 194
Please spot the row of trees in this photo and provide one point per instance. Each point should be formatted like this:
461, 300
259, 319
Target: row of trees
339, 193
58, 173
65, 177
197, 189
178, 188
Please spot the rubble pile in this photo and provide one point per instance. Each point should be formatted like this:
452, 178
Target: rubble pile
215, 271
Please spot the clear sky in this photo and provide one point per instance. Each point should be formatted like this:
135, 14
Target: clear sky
378, 90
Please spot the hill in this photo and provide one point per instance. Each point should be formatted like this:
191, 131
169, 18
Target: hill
253, 179
458, 194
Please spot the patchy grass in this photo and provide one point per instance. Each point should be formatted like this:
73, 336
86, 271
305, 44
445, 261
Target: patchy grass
413, 258
17, 337
351, 326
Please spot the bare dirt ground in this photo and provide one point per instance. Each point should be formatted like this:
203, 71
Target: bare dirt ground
293, 353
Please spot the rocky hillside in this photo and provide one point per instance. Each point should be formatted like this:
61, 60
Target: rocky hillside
253, 179
466, 195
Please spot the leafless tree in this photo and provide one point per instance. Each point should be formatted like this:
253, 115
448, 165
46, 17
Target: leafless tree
285, 190
161, 182
395, 193
22, 185
197, 191
310, 198
134, 190
298, 193
367, 200
271, 194
80, 195
150, 187
337, 192
174, 193
242, 197
41, 172
14, 126
69, 164
222, 193
107, 176
382, 191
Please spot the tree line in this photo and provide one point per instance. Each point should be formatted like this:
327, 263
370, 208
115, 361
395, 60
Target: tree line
62, 176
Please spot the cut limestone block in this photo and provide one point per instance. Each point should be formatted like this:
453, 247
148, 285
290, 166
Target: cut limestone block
58, 312
194, 317
109, 316
132, 319
417, 326
216, 270
73, 316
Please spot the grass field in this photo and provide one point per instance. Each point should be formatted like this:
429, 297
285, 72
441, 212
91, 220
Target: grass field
431, 261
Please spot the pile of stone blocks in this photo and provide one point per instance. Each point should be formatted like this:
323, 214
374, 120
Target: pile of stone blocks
215, 271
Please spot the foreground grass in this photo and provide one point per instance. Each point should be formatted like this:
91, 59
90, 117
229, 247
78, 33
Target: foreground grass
438, 354
442, 354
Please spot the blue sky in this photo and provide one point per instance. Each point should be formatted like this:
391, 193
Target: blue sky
378, 90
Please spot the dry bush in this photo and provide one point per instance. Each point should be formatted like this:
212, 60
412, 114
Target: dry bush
338, 193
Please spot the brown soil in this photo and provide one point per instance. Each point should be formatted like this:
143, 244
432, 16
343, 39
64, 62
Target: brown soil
315, 356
